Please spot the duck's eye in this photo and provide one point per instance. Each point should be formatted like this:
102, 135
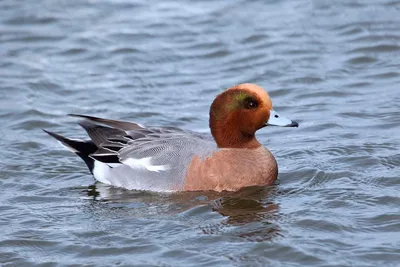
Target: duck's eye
251, 104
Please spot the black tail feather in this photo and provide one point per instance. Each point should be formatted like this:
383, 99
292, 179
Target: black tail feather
80, 147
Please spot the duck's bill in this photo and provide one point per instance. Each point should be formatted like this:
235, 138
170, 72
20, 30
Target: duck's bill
277, 120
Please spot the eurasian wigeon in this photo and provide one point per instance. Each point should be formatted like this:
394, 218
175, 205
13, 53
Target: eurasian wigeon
128, 155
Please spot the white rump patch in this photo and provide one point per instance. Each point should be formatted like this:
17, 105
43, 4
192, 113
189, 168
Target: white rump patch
145, 163
101, 171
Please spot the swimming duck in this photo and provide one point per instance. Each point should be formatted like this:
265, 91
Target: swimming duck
129, 155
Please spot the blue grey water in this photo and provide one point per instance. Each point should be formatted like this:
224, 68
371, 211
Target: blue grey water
334, 66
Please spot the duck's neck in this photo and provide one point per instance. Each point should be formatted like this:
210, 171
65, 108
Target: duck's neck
227, 136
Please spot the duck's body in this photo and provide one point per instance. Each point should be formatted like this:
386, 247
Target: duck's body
231, 169
131, 156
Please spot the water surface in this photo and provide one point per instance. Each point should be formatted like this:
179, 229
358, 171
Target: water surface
331, 65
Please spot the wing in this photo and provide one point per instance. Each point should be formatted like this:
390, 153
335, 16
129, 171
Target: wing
145, 157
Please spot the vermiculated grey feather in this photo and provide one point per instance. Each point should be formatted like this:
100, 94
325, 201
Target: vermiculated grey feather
143, 158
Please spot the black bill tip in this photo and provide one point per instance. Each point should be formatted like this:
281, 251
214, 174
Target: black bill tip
293, 124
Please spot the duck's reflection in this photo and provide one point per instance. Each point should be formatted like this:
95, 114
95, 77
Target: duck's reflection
249, 213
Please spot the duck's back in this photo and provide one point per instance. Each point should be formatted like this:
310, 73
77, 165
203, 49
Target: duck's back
158, 162
128, 155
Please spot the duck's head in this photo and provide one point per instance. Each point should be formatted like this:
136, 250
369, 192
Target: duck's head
238, 112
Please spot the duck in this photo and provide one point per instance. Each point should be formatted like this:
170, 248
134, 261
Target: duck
169, 159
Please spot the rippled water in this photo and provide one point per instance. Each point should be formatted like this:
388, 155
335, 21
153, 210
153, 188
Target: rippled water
332, 65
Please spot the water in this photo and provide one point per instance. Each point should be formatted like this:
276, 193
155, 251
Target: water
331, 65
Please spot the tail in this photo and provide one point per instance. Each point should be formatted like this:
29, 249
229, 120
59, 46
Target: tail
80, 147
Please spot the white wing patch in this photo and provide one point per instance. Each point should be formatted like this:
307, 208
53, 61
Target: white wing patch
144, 163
